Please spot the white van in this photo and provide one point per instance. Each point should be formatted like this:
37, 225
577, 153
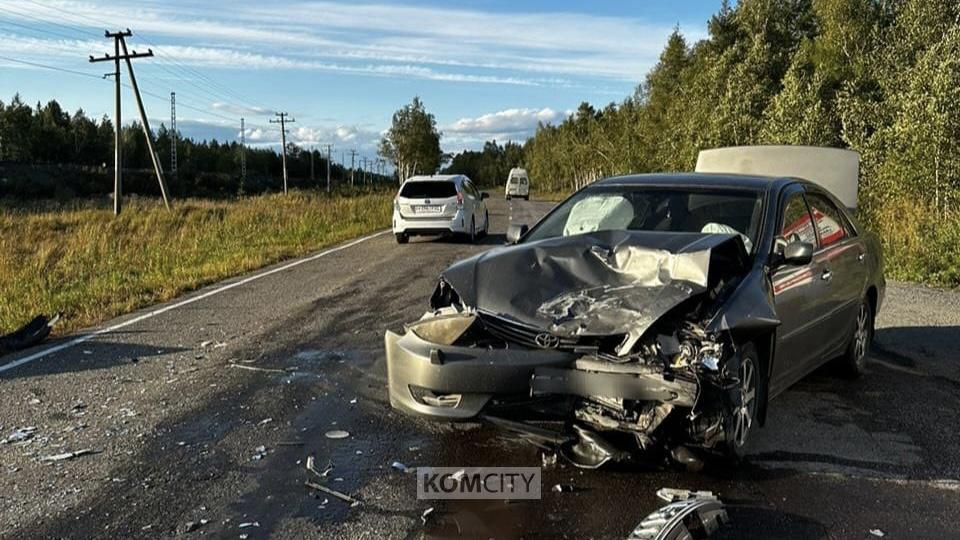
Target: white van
440, 205
518, 184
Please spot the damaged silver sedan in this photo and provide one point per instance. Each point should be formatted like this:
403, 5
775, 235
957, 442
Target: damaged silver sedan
651, 313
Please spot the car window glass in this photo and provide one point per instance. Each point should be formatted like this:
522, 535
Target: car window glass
642, 208
797, 225
428, 190
830, 224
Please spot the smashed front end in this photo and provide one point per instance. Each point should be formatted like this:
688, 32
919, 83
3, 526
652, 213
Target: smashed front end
610, 335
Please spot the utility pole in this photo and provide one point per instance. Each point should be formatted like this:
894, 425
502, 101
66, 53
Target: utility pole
329, 147
283, 141
173, 134
118, 44
353, 155
243, 154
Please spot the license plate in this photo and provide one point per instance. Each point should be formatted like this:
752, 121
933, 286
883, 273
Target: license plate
427, 208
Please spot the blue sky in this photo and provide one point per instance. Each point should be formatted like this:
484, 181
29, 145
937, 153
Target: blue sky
486, 69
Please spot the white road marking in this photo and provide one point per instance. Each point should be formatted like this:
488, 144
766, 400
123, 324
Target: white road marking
87, 337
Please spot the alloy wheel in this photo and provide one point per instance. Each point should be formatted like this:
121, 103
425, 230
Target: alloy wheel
743, 414
861, 337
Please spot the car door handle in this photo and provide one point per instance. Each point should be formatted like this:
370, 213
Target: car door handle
827, 275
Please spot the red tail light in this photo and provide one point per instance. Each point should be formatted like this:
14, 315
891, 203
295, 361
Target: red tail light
459, 199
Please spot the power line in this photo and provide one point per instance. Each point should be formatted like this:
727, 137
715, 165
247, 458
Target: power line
167, 64
283, 142
118, 44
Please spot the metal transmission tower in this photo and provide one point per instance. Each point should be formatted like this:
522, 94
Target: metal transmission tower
283, 141
243, 154
118, 45
173, 133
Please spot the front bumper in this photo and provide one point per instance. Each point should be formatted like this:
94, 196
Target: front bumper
456, 383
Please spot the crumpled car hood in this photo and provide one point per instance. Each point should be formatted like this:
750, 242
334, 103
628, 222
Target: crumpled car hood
601, 283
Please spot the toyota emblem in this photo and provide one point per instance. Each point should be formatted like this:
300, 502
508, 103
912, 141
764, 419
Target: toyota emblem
547, 341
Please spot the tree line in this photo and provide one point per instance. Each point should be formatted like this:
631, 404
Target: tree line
45, 150
881, 77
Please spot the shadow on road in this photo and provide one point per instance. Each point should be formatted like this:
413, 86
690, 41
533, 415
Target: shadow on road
86, 356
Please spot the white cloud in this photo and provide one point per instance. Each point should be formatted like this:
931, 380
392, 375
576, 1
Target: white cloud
238, 109
520, 122
387, 39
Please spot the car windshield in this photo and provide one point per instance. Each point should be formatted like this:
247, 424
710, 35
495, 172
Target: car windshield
428, 190
643, 208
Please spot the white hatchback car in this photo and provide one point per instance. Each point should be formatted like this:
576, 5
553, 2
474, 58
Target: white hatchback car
440, 205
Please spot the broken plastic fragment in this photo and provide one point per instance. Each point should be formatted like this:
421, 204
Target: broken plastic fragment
698, 514
336, 434
19, 434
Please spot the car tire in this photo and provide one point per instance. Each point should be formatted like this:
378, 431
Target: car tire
402, 238
486, 224
526, 197
743, 407
507, 198
854, 359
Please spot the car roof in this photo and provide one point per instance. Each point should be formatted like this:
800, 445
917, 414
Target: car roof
705, 180
434, 178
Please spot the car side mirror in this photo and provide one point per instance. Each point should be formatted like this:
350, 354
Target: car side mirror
484, 195
797, 253
515, 232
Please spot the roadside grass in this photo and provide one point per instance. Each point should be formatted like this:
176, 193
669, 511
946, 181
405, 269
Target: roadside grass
919, 244
546, 195
79, 259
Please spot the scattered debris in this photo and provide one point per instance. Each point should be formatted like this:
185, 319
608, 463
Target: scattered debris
426, 513
560, 488
205, 344
29, 334
335, 493
877, 532
265, 421
336, 434
675, 495
312, 468
549, 459
689, 514
291, 443
354, 400
254, 368
191, 526
400, 467
35, 401
68, 455
261, 452
20, 434
246, 524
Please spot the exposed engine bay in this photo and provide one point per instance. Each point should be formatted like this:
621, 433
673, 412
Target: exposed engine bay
650, 361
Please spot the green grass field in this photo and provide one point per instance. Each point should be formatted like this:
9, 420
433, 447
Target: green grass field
79, 259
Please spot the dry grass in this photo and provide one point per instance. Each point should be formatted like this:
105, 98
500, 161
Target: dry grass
82, 261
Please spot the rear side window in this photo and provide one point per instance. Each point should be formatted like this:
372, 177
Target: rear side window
797, 224
428, 190
831, 226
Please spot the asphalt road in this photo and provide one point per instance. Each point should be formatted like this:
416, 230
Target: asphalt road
180, 436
